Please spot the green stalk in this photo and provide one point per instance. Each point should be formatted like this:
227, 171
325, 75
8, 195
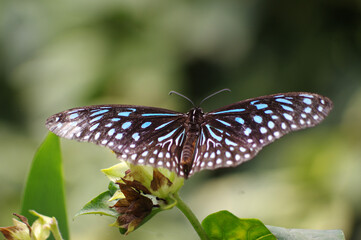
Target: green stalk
191, 217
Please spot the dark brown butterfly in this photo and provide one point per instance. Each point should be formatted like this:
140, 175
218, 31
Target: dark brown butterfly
190, 142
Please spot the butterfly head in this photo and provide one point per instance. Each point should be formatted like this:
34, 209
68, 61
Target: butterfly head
195, 115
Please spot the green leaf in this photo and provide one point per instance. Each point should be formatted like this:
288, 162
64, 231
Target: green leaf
306, 234
44, 190
112, 187
224, 225
99, 205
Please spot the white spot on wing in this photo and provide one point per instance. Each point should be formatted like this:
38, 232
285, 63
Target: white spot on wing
119, 136
72, 116
263, 130
287, 116
92, 128
111, 132
97, 135
307, 110
271, 124
307, 101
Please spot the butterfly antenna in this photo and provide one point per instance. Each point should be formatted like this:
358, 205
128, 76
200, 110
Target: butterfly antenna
223, 90
171, 92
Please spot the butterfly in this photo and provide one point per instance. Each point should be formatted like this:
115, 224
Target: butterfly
190, 142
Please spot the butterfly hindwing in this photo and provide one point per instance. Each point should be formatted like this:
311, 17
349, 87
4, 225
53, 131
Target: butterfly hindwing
217, 148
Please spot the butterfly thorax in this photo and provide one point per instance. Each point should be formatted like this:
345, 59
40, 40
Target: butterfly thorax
192, 131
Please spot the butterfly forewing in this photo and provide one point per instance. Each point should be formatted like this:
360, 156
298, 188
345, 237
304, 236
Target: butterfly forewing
142, 135
235, 133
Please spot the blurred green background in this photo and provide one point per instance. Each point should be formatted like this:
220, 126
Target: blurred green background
55, 55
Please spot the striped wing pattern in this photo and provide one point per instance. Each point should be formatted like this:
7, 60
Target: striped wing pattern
142, 135
237, 132
228, 136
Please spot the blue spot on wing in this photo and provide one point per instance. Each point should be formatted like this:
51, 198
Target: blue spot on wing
135, 136
219, 130
158, 114
96, 119
218, 138
247, 131
160, 139
257, 119
146, 124
261, 106
74, 115
306, 95
94, 127
99, 112
287, 108
283, 100
230, 111
124, 114
229, 142
163, 125
223, 122
287, 116
307, 101
119, 136
126, 125
240, 120
268, 111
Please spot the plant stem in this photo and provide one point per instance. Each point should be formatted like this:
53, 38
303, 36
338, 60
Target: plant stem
191, 217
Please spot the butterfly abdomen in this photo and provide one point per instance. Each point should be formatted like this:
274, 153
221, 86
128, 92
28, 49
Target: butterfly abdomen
193, 129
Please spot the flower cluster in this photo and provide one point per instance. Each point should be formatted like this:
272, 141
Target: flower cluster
142, 190
40, 230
